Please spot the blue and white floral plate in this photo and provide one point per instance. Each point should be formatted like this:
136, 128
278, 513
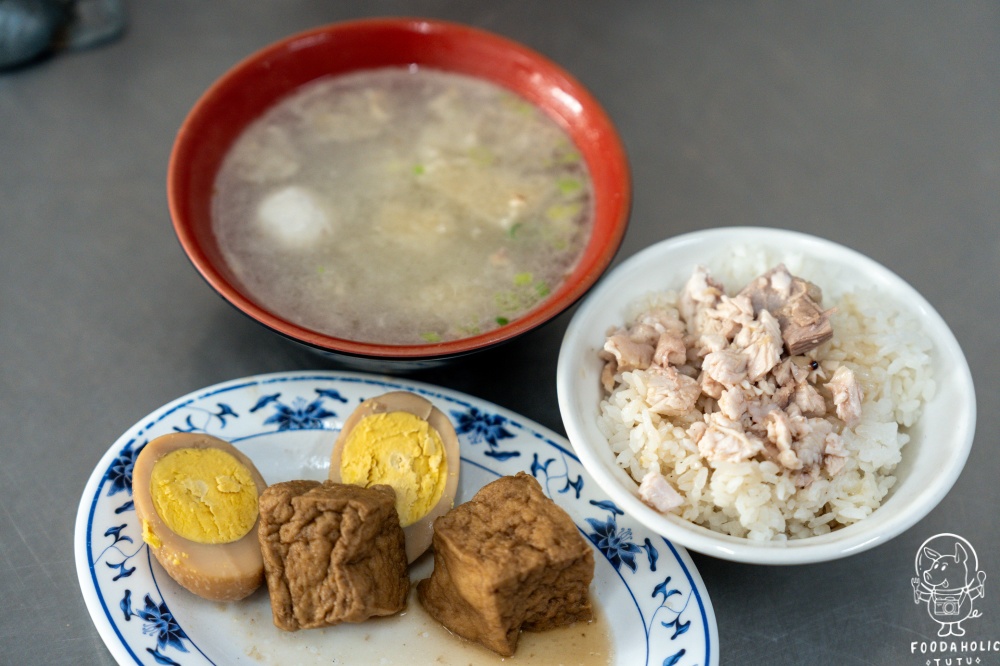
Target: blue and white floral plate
648, 594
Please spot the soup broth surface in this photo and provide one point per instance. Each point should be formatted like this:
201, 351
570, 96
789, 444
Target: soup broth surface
402, 206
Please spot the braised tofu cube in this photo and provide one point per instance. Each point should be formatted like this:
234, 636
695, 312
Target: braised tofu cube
507, 560
332, 553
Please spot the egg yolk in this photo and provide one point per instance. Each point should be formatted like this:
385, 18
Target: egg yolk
401, 450
204, 495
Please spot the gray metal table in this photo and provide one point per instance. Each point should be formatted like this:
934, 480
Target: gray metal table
874, 124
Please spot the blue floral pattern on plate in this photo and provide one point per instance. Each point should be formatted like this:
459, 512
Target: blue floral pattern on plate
130, 599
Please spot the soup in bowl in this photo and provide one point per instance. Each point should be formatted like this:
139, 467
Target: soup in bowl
399, 190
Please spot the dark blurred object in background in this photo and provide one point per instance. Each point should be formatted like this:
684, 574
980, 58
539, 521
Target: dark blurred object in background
33, 29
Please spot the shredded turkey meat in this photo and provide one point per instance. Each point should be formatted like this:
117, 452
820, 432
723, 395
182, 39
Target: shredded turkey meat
657, 492
846, 395
671, 393
744, 375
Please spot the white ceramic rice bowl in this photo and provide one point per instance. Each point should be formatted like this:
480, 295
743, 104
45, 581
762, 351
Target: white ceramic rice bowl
931, 461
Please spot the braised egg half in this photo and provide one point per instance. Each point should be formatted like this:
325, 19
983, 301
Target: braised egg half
196, 499
402, 440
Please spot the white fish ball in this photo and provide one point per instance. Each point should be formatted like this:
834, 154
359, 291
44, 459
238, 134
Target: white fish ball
293, 216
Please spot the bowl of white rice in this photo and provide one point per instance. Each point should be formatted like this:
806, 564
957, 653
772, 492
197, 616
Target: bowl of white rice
815, 448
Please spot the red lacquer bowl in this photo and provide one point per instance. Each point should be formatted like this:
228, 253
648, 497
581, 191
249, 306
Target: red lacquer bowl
259, 81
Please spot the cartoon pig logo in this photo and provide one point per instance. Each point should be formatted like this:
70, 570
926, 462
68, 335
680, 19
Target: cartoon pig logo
948, 581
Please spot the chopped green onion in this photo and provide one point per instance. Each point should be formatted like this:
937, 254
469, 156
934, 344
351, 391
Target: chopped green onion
558, 212
502, 321
430, 336
482, 155
507, 301
569, 157
542, 289
418, 169
518, 104
569, 185
513, 229
522, 279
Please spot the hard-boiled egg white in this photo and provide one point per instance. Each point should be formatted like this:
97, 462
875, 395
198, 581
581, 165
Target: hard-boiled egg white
196, 498
402, 440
